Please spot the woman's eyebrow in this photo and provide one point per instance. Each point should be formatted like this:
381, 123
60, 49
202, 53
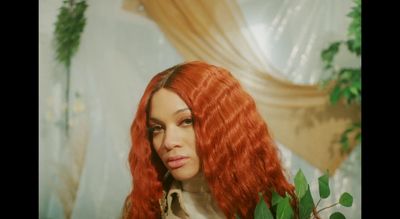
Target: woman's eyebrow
181, 110
155, 120
152, 119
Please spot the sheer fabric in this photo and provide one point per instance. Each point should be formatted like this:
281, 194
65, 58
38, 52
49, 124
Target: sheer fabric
299, 115
118, 54
292, 34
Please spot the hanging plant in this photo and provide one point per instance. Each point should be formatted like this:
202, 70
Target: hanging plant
68, 29
346, 81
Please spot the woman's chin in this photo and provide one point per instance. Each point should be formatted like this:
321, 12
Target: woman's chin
181, 174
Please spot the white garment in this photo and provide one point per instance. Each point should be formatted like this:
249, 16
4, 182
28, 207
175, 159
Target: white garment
198, 200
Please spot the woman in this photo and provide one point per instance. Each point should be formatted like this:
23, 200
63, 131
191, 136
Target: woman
200, 149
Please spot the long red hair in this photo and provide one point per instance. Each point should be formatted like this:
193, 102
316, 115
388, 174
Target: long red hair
238, 156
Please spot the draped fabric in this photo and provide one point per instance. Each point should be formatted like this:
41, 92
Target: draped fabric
118, 54
299, 116
292, 34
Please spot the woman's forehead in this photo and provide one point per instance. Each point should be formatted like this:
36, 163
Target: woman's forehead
166, 103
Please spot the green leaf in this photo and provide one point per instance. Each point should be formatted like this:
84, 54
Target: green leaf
347, 93
345, 74
354, 30
262, 211
337, 215
323, 183
275, 198
346, 199
329, 54
300, 183
284, 210
306, 205
351, 46
349, 77
69, 26
357, 84
335, 94
237, 216
354, 90
358, 137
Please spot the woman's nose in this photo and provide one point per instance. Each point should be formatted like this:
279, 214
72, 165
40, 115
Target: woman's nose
171, 138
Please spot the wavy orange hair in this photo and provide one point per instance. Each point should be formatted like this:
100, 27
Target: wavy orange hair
238, 157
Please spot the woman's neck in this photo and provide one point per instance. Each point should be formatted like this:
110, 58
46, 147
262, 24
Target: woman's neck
196, 184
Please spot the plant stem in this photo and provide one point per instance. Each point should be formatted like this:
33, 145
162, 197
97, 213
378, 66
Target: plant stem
67, 102
315, 214
318, 203
328, 207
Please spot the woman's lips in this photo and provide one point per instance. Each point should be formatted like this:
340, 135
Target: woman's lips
177, 162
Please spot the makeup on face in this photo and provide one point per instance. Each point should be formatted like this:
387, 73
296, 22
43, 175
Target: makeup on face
173, 136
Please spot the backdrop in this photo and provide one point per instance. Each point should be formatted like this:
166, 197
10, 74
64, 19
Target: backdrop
119, 52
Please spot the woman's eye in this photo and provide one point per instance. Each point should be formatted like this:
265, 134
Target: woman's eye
156, 129
186, 122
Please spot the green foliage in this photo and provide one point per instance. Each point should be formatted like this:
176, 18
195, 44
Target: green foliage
348, 86
344, 140
304, 201
330, 53
276, 198
306, 205
337, 215
262, 211
354, 30
346, 199
347, 81
300, 183
69, 27
284, 210
323, 185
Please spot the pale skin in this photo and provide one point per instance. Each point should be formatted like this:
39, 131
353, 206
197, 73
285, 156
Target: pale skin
174, 140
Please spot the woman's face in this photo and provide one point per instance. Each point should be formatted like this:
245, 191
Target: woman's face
174, 140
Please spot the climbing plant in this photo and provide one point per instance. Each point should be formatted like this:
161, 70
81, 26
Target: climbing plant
346, 81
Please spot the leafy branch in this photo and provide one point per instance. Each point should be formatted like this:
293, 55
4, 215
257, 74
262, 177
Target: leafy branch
347, 81
281, 208
68, 29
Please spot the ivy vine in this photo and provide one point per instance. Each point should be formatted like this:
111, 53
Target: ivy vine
347, 81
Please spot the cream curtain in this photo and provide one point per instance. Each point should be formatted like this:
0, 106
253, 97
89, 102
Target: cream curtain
299, 116
118, 54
